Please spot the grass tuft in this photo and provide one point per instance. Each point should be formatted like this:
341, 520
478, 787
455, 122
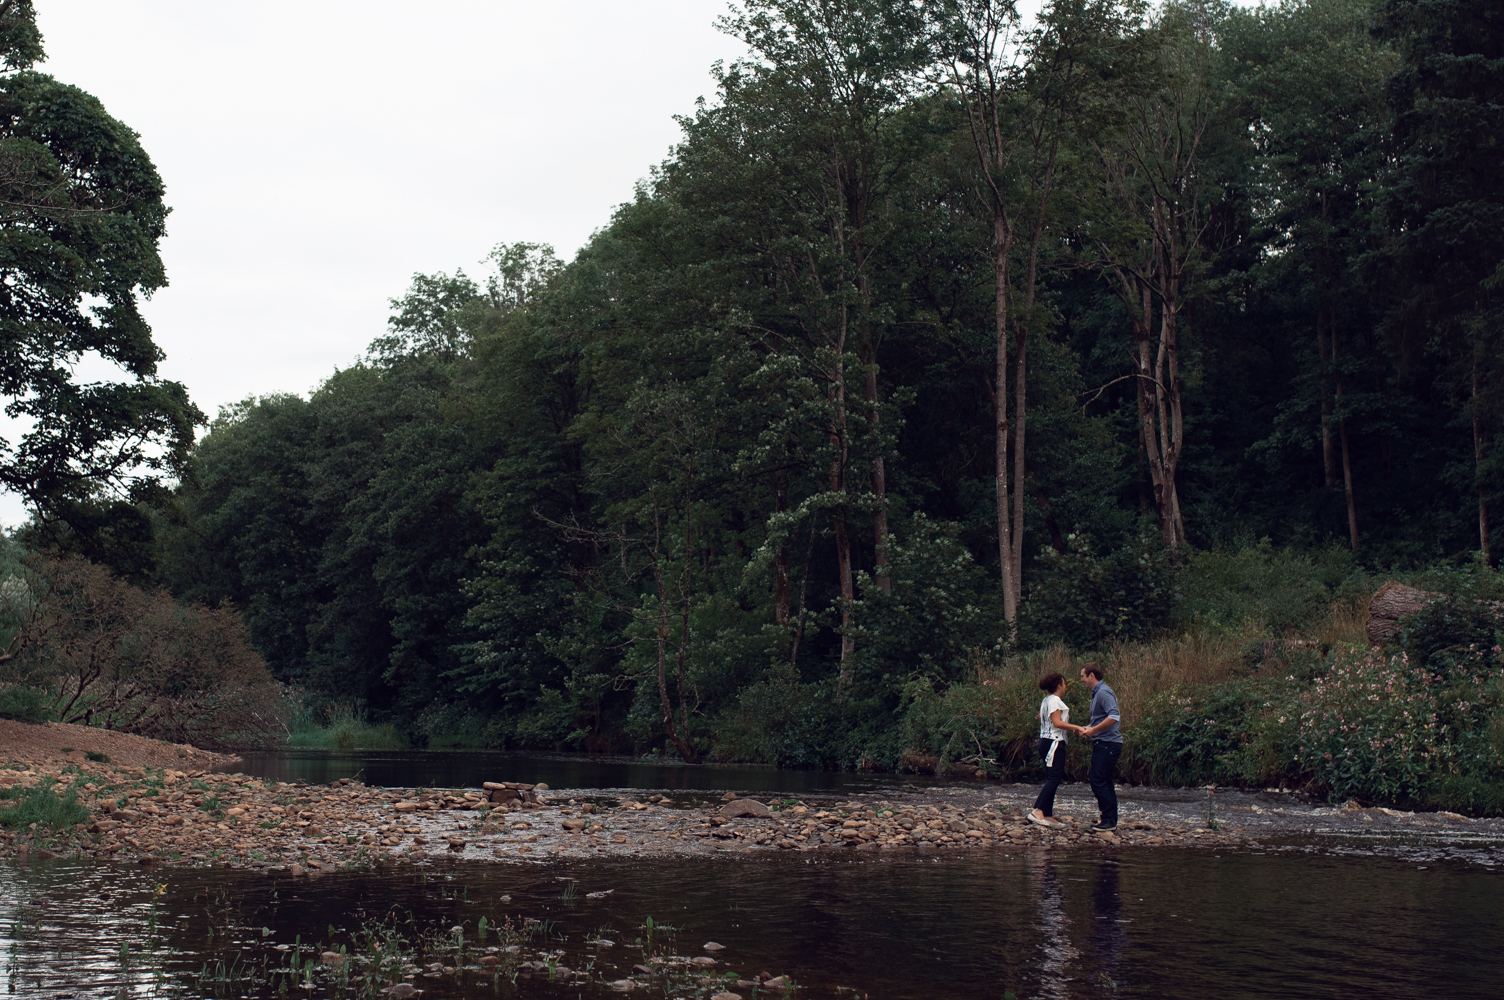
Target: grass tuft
43, 804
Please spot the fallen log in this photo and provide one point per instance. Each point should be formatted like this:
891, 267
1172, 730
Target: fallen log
1390, 603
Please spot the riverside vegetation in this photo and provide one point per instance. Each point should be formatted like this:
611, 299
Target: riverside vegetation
929, 361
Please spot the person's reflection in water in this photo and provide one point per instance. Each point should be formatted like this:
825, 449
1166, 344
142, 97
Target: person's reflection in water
1109, 930
1059, 953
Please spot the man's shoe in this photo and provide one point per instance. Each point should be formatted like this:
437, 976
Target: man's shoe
1100, 827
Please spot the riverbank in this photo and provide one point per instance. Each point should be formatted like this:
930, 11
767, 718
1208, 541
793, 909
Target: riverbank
164, 814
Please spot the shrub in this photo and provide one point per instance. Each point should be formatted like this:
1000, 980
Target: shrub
25, 704
1448, 631
938, 609
1087, 600
43, 804
1201, 735
1262, 589
111, 655
1378, 727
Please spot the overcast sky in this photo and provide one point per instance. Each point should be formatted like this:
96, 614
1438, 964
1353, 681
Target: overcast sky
319, 153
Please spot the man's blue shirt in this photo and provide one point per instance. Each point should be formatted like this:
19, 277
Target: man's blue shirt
1104, 705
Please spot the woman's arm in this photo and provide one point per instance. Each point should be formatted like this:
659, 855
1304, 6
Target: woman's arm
1060, 723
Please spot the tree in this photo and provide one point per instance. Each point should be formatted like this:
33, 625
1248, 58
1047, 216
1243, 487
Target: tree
81, 215
1311, 76
1444, 265
1022, 92
1155, 169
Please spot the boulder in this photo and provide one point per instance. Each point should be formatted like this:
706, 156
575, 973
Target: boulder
745, 807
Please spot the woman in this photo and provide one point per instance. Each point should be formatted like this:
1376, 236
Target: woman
1054, 723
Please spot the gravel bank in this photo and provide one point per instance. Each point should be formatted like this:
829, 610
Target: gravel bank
199, 816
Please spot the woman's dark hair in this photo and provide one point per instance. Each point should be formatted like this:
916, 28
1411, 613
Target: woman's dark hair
1049, 682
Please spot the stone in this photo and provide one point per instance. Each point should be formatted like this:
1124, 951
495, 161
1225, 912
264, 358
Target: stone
745, 807
295, 870
729, 796
540, 787
402, 990
702, 961
332, 959
726, 996
623, 985
776, 983
406, 807
574, 824
713, 946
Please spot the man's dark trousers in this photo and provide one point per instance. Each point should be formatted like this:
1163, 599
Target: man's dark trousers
1104, 765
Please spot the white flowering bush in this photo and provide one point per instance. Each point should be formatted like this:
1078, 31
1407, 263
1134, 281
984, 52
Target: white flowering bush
1375, 726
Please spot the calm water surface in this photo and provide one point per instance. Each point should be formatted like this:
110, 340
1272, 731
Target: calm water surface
1162, 924
468, 768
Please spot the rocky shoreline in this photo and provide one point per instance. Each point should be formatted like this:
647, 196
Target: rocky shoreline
204, 817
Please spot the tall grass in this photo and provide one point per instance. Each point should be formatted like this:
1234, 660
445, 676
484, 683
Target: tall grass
314, 726
44, 804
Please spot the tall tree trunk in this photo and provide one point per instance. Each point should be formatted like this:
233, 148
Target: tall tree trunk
1328, 446
1002, 240
781, 561
874, 431
1020, 392
1148, 407
1479, 454
841, 445
1172, 424
677, 734
809, 555
1347, 462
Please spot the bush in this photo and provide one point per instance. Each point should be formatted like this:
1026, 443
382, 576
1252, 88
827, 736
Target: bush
25, 704
44, 805
1449, 630
1200, 736
939, 610
111, 655
1088, 601
1377, 727
1263, 589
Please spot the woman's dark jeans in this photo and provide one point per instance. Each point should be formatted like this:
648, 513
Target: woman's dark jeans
1054, 774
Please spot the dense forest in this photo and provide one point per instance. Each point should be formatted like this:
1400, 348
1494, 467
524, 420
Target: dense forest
941, 337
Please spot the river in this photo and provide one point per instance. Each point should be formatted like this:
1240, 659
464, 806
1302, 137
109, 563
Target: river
1273, 921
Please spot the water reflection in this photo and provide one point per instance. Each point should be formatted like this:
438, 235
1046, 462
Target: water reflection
1079, 925
1059, 954
468, 768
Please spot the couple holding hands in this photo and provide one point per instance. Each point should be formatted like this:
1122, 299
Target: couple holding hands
1106, 737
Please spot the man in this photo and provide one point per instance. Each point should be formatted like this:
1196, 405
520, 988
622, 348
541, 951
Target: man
1106, 735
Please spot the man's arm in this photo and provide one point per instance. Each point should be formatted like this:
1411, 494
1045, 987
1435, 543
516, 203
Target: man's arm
1113, 716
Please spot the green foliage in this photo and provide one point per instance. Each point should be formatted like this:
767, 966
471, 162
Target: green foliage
25, 704
336, 727
1201, 736
1449, 630
1089, 600
933, 621
81, 214
46, 804
1262, 589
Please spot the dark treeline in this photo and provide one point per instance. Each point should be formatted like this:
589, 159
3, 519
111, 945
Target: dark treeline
938, 337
